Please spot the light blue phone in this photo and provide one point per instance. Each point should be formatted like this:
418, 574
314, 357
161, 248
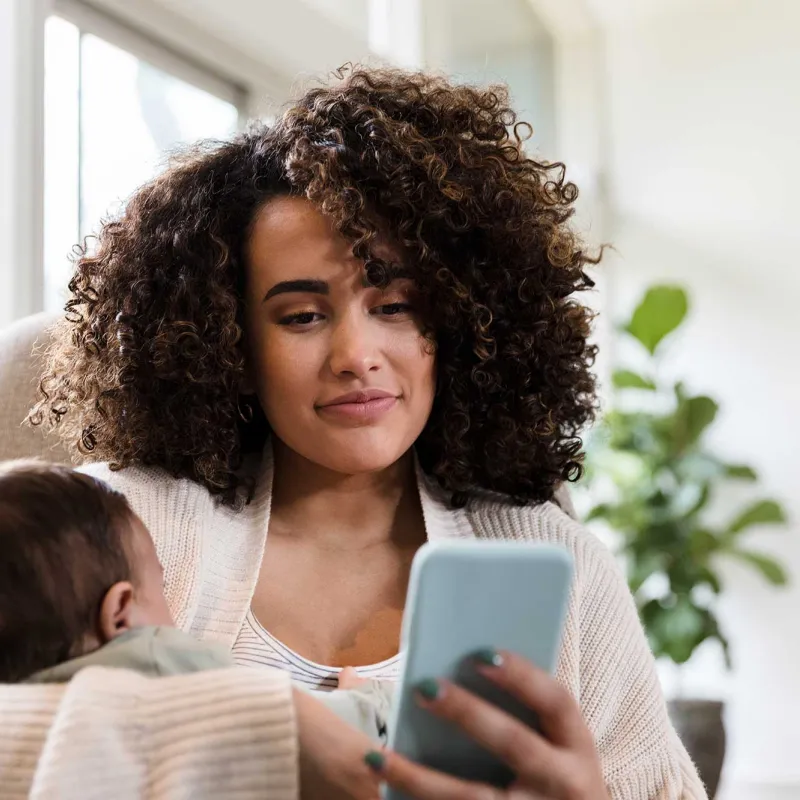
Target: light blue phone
464, 596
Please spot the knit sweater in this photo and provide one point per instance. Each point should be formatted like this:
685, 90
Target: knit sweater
231, 733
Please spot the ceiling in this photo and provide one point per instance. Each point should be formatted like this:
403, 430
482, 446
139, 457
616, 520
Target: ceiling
480, 25
570, 18
292, 35
293, 38
350, 14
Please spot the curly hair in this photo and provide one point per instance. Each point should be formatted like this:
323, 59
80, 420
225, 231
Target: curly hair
147, 364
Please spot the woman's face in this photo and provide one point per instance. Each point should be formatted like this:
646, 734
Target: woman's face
341, 369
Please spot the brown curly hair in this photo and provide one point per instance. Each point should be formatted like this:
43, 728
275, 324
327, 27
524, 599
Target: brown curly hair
147, 365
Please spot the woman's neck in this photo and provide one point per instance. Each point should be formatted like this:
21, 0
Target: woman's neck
345, 512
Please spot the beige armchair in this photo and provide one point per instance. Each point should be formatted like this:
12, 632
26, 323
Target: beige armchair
21, 346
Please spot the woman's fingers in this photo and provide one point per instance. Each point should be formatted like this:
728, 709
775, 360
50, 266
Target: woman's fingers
350, 679
559, 715
330, 753
422, 783
520, 747
564, 764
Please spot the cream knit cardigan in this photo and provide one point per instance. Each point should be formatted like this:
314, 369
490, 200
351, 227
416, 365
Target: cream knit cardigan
231, 733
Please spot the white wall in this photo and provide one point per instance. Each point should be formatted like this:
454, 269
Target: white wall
21, 143
264, 45
704, 166
500, 42
350, 14
528, 71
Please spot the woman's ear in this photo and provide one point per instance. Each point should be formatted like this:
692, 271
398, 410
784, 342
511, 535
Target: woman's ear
247, 384
116, 611
247, 396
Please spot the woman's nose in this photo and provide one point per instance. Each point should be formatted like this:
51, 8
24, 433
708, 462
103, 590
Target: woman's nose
354, 350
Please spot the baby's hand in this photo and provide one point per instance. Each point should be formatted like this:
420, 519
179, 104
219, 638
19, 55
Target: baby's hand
350, 679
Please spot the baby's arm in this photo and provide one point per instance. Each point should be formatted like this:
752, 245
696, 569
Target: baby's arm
365, 707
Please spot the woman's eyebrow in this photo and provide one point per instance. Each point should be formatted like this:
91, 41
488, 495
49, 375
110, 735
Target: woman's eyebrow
302, 285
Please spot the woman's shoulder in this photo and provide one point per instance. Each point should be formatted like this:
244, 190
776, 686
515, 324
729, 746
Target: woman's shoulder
152, 491
142, 479
177, 512
495, 518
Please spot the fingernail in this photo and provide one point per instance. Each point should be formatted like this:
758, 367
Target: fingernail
429, 688
489, 657
375, 760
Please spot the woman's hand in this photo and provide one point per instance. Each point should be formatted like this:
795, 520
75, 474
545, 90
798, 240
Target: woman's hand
561, 763
350, 679
331, 755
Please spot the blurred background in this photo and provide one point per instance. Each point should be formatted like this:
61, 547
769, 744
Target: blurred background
678, 119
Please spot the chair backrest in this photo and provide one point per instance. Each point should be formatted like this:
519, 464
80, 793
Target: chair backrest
21, 357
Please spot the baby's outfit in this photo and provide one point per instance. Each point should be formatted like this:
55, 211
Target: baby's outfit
161, 651
365, 708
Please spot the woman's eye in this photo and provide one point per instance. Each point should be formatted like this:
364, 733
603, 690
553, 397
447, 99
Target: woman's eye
394, 309
300, 319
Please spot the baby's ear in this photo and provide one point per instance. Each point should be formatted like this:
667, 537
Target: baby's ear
116, 611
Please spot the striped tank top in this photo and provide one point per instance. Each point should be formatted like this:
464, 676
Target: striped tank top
255, 646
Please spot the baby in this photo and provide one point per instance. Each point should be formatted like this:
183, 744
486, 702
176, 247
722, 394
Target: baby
81, 585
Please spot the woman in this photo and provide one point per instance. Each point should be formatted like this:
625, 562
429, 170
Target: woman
306, 351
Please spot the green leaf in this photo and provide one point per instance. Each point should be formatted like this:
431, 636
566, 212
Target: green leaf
698, 467
765, 512
701, 412
642, 566
768, 567
601, 511
702, 501
702, 544
692, 417
726, 648
676, 629
686, 619
740, 472
625, 379
660, 312
710, 578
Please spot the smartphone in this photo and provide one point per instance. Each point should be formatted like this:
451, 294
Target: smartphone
464, 596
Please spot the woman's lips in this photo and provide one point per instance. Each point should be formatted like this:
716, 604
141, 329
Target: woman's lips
365, 406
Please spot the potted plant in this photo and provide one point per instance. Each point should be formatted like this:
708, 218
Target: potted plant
648, 464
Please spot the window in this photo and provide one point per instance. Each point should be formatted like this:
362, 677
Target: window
112, 115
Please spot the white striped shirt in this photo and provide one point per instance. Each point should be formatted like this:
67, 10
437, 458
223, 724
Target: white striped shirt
256, 646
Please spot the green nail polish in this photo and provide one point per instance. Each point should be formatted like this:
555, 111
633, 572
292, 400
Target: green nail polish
489, 657
429, 688
375, 760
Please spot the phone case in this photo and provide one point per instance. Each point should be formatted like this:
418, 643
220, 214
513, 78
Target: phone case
464, 596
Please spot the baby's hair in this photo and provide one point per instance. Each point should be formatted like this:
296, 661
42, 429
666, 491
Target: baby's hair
62, 547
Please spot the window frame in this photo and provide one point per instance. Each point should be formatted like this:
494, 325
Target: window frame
89, 21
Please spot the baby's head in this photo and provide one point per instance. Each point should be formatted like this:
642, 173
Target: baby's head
77, 568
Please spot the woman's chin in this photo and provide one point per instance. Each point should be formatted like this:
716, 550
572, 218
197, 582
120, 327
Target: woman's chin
354, 453
357, 462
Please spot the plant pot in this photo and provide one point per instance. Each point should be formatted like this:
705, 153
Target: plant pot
702, 731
